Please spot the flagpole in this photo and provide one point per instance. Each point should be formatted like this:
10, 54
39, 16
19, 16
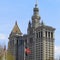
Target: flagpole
24, 49
36, 1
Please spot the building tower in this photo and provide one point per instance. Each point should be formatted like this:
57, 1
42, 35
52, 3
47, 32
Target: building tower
40, 38
36, 18
15, 44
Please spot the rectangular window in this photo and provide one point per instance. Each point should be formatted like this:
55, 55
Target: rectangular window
36, 35
46, 34
51, 34
31, 40
41, 34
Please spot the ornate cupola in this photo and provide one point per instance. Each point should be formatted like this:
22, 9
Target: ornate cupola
36, 18
36, 13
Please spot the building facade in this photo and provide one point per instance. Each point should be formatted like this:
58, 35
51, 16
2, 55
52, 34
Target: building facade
39, 39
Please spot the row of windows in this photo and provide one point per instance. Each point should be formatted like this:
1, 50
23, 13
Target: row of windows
46, 34
40, 34
49, 34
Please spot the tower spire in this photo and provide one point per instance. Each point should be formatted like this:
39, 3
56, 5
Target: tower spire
36, 17
16, 22
36, 3
16, 29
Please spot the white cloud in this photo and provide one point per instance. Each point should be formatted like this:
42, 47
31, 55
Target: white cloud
57, 51
2, 36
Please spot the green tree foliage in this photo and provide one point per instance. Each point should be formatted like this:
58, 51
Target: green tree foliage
1, 57
9, 56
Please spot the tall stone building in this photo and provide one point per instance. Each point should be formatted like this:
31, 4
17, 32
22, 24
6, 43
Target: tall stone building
39, 39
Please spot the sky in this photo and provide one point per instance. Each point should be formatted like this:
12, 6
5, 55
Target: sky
22, 11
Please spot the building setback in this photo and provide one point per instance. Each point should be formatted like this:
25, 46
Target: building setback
39, 39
